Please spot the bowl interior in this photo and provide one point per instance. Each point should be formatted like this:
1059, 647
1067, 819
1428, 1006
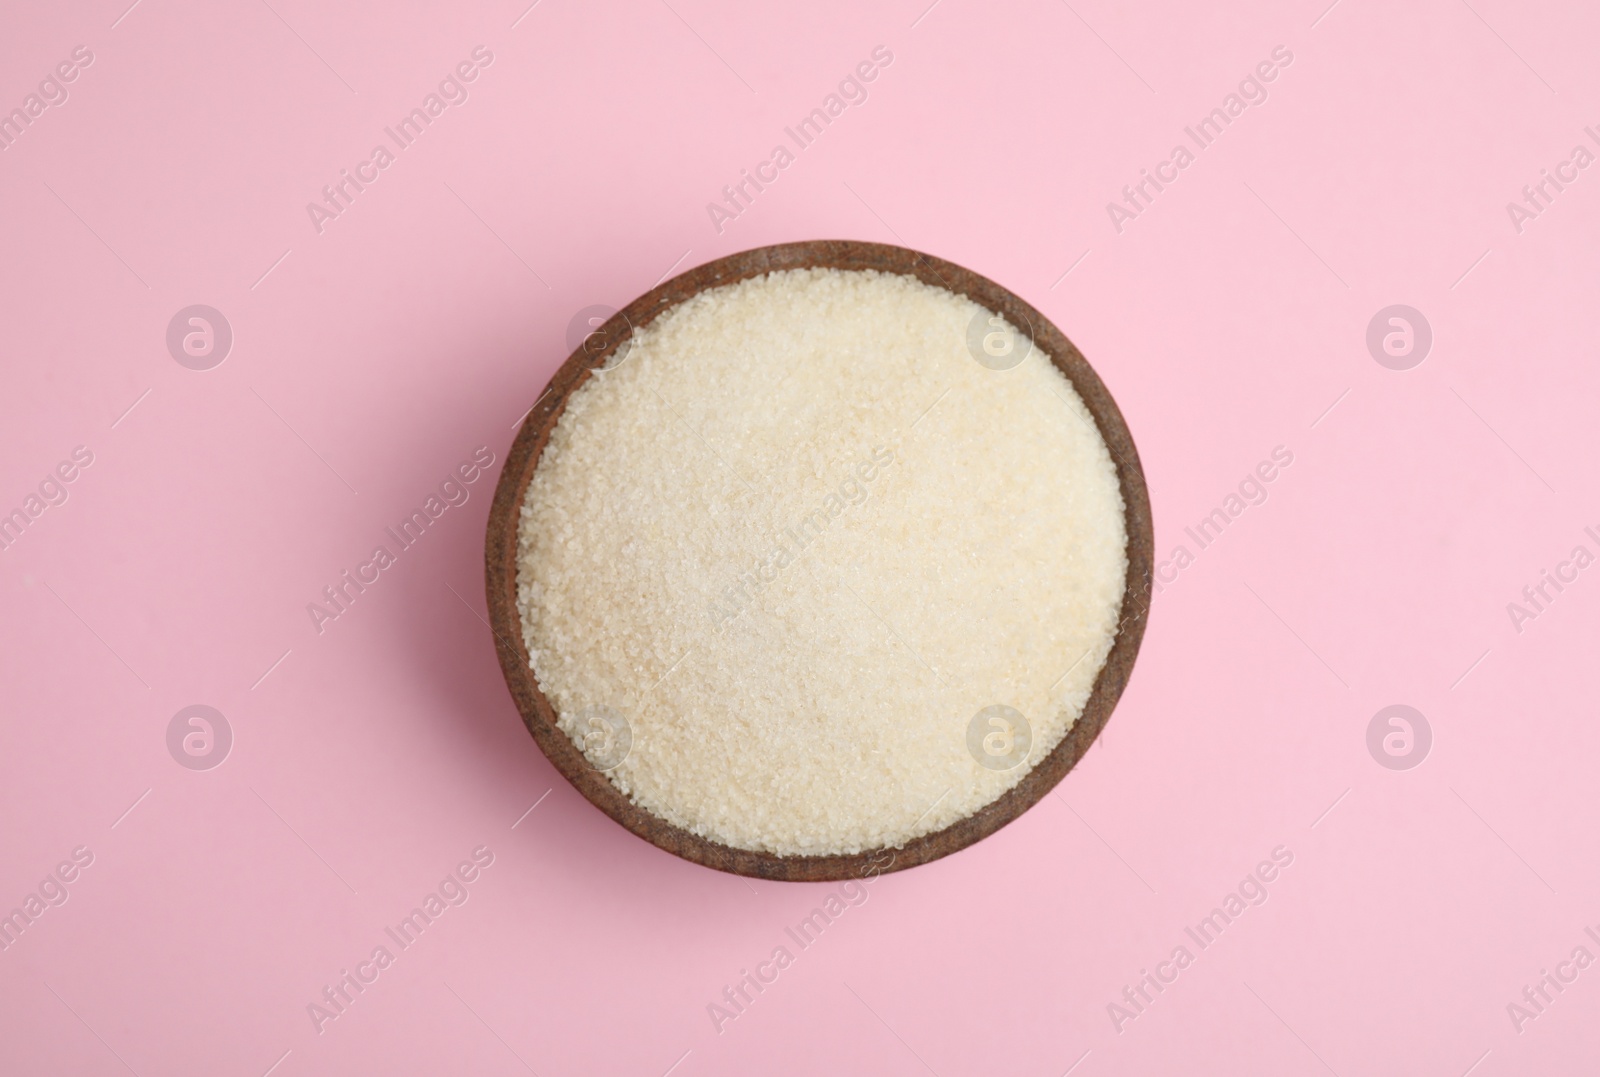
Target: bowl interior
500, 561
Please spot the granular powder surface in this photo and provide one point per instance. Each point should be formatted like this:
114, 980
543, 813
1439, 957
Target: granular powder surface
813, 572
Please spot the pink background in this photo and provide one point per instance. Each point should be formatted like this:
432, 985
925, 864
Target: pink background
370, 359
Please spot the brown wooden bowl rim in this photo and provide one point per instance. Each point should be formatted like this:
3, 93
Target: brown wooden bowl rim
500, 562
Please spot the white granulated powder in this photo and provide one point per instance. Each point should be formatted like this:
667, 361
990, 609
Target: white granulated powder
797, 539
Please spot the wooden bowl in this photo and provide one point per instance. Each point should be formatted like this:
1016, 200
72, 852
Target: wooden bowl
500, 561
